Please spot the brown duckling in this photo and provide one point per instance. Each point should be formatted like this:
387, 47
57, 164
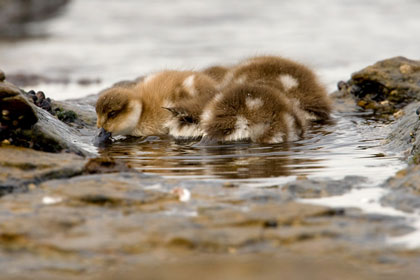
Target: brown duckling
148, 108
295, 80
252, 112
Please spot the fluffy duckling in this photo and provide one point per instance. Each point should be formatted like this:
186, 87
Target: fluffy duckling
253, 112
148, 107
295, 80
216, 72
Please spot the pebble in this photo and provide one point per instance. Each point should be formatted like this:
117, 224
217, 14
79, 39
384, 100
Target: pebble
342, 85
2, 76
418, 111
183, 194
48, 200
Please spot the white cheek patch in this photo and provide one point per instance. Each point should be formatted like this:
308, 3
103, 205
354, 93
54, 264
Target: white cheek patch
241, 130
129, 124
288, 81
253, 103
189, 85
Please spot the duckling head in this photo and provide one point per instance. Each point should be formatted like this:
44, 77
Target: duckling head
118, 111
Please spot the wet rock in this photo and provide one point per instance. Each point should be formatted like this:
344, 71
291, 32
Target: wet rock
2, 76
107, 190
66, 116
405, 190
15, 14
384, 87
20, 167
16, 114
254, 266
404, 136
8, 89
106, 165
79, 113
123, 218
322, 188
22, 123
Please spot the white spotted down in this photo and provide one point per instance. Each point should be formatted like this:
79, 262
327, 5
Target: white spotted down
226, 80
241, 79
277, 138
207, 115
253, 103
189, 85
185, 131
288, 81
257, 130
218, 97
241, 130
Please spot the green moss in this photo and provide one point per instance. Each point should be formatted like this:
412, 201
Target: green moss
66, 116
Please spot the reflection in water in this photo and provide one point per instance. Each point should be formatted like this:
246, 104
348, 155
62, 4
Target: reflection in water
348, 147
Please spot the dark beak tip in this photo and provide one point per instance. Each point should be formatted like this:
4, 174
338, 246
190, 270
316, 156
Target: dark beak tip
102, 138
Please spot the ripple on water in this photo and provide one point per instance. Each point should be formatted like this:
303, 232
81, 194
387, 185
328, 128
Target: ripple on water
350, 146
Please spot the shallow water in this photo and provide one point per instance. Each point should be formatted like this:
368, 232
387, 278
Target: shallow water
349, 146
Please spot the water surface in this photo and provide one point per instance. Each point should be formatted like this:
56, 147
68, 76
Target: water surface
351, 145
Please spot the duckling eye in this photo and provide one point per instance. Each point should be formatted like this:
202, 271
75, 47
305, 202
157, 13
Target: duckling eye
112, 114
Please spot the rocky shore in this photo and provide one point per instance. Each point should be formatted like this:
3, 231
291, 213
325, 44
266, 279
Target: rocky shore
66, 213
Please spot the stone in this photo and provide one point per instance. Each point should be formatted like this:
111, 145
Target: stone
321, 188
395, 80
20, 167
405, 190
8, 90
22, 123
404, 136
102, 165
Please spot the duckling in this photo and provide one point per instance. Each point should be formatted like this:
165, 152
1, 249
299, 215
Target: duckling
216, 72
254, 112
295, 80
149, 107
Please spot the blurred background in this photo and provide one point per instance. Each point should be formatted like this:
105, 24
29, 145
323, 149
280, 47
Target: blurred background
71, 48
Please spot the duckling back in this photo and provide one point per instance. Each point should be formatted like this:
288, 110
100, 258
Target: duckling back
252, 112
295, 80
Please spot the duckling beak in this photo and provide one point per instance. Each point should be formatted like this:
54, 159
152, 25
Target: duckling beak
102, 137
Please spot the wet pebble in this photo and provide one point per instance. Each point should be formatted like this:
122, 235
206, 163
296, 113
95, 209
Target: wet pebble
418, 111
40, 100
342, 85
